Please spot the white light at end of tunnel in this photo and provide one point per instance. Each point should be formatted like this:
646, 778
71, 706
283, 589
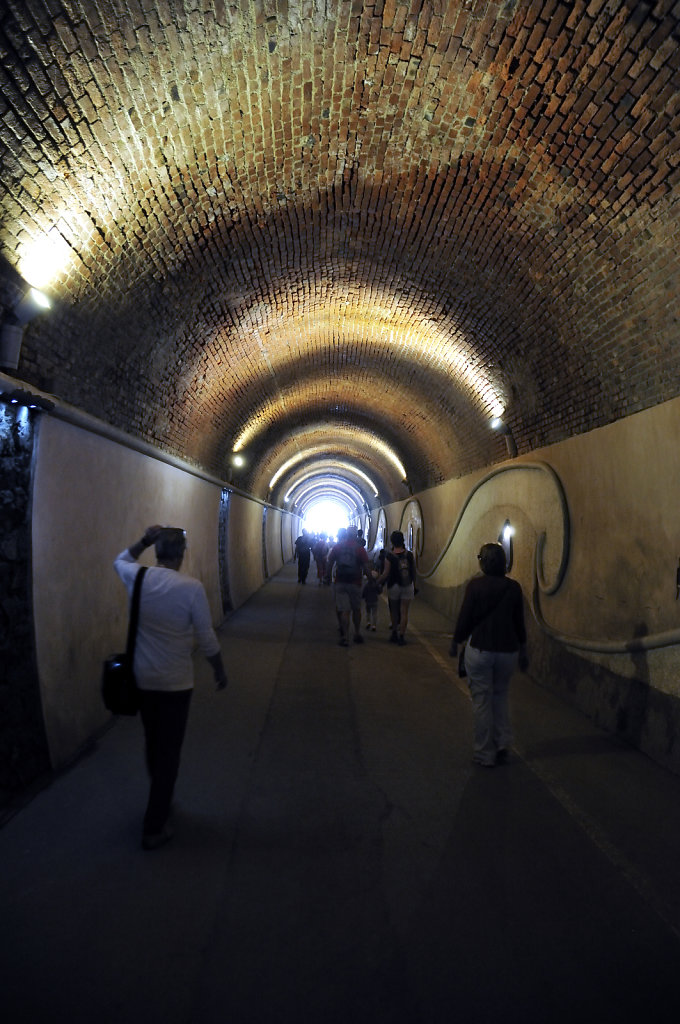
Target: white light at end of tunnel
326, 517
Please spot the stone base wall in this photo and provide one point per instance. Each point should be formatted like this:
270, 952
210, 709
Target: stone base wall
23, 744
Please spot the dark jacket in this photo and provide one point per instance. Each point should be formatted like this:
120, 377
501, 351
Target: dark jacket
492, 614
371, 592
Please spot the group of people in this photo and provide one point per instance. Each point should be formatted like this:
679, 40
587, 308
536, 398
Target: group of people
174, 616
348, 563
491, 616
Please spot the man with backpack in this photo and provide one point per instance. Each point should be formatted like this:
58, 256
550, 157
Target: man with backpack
400, 573
303, 554
351, 563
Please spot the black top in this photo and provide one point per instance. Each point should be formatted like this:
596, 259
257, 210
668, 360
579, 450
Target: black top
492, 614
393, 558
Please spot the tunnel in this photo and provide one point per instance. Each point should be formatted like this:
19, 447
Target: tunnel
416, 258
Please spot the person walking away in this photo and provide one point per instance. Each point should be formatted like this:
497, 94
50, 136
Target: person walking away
320, 552
351, 563
173, 615
492, 616
303, 554
399, 574
370, 594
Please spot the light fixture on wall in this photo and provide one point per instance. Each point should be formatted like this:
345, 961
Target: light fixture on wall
502, 428
505, 539
14, 322
237, 462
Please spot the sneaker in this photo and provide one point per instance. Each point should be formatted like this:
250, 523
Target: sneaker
152, 840
358, 638
401, 640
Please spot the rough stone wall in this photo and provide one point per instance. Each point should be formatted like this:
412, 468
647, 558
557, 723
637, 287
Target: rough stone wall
23, 744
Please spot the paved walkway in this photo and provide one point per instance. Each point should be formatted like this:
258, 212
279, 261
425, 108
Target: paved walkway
339, 859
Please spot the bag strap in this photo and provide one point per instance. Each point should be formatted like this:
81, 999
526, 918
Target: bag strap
134, 614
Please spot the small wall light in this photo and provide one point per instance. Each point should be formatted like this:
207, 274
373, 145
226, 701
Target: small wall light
505, 538
14, 323
503, 428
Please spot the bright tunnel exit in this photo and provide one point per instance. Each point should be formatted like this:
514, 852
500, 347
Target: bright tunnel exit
326, 516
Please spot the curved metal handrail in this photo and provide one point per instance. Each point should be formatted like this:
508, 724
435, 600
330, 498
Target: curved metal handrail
542, 467
651, 642
541, 585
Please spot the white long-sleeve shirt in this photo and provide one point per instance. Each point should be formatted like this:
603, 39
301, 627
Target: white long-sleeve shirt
174, 615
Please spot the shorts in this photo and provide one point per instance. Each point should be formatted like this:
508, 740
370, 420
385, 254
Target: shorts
398, 593
348, 597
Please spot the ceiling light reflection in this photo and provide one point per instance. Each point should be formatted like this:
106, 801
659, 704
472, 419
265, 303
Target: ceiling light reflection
44, 259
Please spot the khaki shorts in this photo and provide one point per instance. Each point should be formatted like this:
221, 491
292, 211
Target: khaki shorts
348, 597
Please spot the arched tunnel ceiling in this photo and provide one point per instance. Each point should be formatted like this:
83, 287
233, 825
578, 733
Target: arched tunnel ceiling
290, 228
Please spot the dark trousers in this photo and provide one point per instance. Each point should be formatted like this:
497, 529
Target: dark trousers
164, 717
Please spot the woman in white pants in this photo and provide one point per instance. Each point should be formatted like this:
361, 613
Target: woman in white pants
492, 616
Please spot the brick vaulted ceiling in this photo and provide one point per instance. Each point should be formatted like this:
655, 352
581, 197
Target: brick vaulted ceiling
330, 229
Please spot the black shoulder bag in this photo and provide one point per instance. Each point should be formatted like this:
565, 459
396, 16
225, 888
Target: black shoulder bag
119, 688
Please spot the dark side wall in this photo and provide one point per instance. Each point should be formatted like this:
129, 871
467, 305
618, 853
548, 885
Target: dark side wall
24, 751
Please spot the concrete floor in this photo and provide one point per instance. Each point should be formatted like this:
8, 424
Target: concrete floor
339, 859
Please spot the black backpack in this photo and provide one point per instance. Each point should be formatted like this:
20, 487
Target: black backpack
403, 569
347, 564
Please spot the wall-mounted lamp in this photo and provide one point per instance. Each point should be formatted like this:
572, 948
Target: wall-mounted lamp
236, 462
505, 538
13, 324
502, 428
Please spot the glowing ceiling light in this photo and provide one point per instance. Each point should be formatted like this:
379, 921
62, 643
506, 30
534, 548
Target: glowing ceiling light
325, 478
282, 469
359, 472
333, 471
391, 455
246, 434
326, 487
337, 496
44, 259
238, 461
